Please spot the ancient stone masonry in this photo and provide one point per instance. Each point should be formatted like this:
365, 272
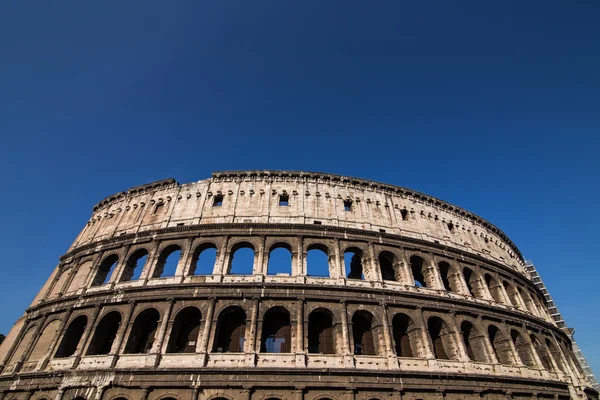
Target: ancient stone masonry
169, 292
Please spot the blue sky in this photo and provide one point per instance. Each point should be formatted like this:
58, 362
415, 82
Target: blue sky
493, 106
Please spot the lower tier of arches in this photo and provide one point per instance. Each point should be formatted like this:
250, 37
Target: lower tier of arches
281, 384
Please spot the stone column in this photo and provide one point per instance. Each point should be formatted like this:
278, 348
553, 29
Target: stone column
298, 256
252, 345
435, 273
158, 347
300, 352
260, 261
460, 344
389, 346
118, 346
405, 271
348, 351
375, 270
121, 264
185, 260
83, 342
144, 394
151, 262
202, 346
426, 348
533, 350
337, 270
59, 394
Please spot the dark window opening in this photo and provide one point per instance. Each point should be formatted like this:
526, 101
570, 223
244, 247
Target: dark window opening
404, 213
500, 345
542, 354
105, 270
231, 328
321, 337
167, 262
523, 348
284, 200
435, 326
70, 341
386, 264
445, 269
105, 334
353, 264
450, 227
362, 333
276, 332
143, 332
416, 266
473, 343
318, 223
401, 324
185, 332
494, 288
382, 230
347, 205
470, 279
218, 200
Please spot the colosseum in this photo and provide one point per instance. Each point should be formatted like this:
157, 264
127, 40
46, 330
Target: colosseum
379, 292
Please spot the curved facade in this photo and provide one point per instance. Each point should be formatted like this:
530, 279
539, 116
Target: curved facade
379, 292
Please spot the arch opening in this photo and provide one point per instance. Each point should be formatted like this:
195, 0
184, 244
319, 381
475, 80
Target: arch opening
416, 265
321, 338
276, 331
353, 264
280, 260
387, 262
204, 260
500, 345
473, 341
542, 353
363, 333
141, 338
523, 348
168, 260
441, 339
105, 270
72, 337
449, 277
105, 334
135, 265
231, 328
185, 331
494, 288
402, 329
317, 261
242, 260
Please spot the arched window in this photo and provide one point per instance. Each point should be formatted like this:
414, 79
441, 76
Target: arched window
402, 328
353, 263
280, 260
555, 353
494, 288
143, 332
387, 262
441, 339
167, 262
242, 259
105, 334
276, 331
528, 304
321, 338
135, 265
363, 333
231, 328
204, 259
473, 283
500, 345
474, 342
317, 261
105, 270
186, 328
416, 266
542, 353
449, 278
513, 297
523, 348
70, 341
45, 339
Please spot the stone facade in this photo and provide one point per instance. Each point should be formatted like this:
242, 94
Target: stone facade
420, 300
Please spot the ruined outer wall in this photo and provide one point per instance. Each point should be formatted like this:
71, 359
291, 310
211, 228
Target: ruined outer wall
484, 286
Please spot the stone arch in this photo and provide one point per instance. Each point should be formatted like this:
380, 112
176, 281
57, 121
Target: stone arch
365, 333
105, 270
24, 344
276, 334
501, 345
321, 334
353, 263
133, 266
450, 277
527, 301
388, 263
523, 348
121, 397
555, 354
168, 257
197, 257
405, 335
494, 288
513, 296
45, 339
230, 331
280, 258
245, 266
422, 274
541, 352
322, 267
473, 283
185, 331
72, 337
219, 397
105, 334
143, 332
474, 342
442, 342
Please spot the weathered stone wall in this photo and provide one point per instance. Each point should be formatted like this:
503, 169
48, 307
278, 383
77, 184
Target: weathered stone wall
450, 312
